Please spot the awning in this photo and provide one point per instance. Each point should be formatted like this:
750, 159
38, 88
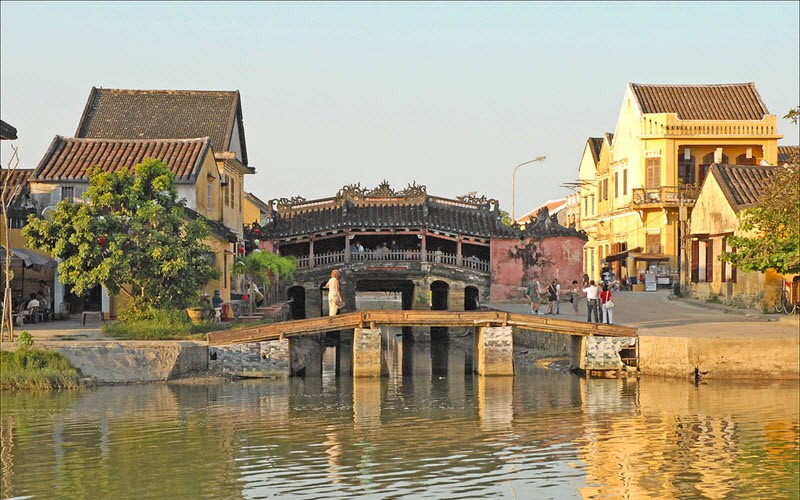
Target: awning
28, 258
622, 255
649, 257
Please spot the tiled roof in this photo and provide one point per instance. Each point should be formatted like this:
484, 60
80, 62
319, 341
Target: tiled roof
164, 114
430, 215
383, 208
17, 181
595, 145
7, 132
553, 207
742, 184
786, 153
736, 101
70, 158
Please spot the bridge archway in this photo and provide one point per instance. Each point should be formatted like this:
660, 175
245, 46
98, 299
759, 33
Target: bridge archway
404, 288
296, 296
439, 295
471, 296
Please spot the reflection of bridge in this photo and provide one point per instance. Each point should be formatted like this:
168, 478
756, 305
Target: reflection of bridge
493, 340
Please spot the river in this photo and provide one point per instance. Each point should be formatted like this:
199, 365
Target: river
541, 434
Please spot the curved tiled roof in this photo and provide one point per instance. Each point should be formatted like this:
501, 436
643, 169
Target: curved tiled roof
735, 101
788, 153
385, 209
742, 184
164, 114
71, 158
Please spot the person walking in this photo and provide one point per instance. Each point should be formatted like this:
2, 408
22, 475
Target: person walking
575, 296
532, 292
592, 296
607, 305
552, 297
335, 301
558, 296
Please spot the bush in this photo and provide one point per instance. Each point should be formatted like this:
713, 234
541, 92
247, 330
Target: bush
157, 324
27, 368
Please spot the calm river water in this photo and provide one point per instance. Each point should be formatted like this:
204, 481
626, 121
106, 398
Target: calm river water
541, 434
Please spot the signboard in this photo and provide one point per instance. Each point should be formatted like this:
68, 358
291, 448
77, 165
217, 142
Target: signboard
650, 282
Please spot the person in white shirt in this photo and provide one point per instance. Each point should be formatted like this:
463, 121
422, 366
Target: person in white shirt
592, 295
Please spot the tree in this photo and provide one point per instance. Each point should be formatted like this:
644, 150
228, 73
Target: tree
264, 267
132, 235
505, 218
771, 229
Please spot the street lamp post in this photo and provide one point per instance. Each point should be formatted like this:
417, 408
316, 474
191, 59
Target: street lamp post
538, 158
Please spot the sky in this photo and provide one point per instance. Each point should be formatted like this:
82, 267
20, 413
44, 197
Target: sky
449, 95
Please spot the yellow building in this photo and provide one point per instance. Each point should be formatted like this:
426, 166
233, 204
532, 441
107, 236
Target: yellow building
255, 210
638, 188
199, 134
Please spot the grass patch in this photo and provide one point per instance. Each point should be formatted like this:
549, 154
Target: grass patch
28, 368
159, 325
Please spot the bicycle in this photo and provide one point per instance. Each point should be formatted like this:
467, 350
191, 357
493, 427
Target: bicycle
785, 304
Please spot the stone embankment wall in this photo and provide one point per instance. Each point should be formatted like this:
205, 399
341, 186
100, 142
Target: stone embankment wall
720, 358
109, 362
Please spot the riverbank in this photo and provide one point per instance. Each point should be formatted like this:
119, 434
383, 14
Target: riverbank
678, 337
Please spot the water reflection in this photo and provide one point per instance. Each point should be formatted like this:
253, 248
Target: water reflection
541, 434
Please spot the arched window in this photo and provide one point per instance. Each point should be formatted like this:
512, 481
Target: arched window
742, 159
707, 161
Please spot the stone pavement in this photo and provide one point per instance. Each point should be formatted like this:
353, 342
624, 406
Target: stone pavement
661, 314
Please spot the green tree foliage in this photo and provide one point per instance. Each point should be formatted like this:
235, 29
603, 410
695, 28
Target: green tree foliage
264, 266
770, 236
132, 236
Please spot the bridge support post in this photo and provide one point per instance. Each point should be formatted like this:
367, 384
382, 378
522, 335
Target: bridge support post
494, 351
577, 352
306, 355
367, 352
344, 354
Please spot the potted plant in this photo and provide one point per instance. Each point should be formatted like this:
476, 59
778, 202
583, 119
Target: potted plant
199, 309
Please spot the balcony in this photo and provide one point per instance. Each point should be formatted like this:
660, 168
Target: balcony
665, 196
669, 125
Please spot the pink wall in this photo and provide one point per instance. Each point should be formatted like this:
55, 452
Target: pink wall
514, 263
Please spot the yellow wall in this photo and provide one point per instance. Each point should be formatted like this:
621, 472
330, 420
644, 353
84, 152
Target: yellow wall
251, 213
638, 136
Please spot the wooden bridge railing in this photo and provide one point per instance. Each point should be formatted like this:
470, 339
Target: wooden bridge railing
371, 319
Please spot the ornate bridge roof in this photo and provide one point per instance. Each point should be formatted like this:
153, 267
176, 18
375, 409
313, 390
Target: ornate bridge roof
355, 207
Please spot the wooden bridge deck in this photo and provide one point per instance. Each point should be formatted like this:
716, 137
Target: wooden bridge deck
371, 319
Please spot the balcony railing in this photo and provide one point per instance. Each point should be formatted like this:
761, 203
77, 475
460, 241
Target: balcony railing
436, 257
665, 195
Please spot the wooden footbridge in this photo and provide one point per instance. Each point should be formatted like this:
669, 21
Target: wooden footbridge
373, 319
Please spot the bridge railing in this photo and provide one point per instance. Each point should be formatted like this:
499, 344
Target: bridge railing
437, 257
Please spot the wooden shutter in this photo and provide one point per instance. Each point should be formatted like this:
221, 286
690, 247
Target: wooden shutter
709, 261
723, 265
616, 184
733, 268
653, 177
695, 261
625, 181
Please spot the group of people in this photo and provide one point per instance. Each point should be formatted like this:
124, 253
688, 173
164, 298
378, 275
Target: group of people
598, 298
36, 302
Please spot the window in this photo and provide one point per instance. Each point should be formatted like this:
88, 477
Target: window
586, 207
687, 172
210, 191
742, 159
227, 194
625, 182
605, 189
68, 193
653, 172
653, 243
616, 184
593, 212
695, 261
233, 192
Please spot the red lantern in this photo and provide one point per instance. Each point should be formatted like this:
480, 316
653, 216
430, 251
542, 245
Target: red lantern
101, 240
241, 249
257, 231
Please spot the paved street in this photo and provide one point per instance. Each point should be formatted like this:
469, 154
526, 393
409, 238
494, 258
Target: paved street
655, 314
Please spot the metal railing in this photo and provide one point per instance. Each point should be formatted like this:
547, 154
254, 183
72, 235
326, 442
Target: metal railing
378, 255
665, 195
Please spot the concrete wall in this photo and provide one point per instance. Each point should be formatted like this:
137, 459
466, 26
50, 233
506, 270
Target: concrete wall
514, 263
132, 361
720, 358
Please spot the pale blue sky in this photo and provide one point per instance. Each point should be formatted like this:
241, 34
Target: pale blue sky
450, 95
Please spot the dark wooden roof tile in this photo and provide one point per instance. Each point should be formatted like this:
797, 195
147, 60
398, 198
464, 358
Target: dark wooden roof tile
736, 101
